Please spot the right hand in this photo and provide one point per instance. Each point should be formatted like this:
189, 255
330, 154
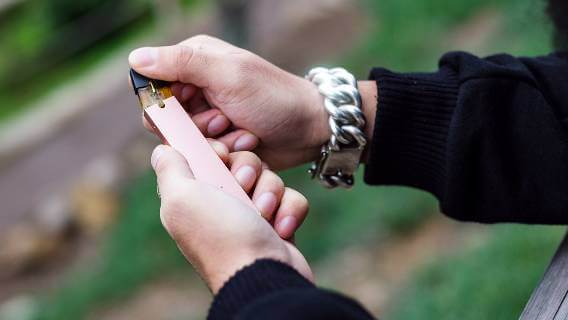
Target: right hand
238, 97
218, 234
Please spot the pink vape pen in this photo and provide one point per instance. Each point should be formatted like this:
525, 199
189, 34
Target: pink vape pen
176, 129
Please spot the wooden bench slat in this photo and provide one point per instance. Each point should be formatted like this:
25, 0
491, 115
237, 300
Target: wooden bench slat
548, 301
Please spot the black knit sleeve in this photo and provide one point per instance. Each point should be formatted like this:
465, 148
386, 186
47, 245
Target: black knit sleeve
268, 289
486, 136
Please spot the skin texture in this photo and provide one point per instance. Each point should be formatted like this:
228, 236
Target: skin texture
244, 101
217, 233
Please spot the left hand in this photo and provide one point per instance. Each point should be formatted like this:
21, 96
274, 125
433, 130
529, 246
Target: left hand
218, 234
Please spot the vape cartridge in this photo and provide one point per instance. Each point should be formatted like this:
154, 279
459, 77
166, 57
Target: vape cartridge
174, 127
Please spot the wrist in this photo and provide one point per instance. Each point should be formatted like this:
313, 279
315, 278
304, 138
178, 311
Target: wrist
318, 131
318, 126
369, 98
217, 276
218, 272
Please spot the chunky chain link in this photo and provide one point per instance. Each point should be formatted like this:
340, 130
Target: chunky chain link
342, 102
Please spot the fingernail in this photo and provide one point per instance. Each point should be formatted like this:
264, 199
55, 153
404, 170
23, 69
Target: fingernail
217, 125
143, 57
156, 154
266, 203
219, 147
245, 142
287, 226
246, 176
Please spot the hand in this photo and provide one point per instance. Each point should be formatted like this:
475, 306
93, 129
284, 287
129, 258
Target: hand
222, 85
217, 233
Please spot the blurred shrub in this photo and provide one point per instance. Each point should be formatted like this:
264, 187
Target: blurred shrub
491, 281
409, 35
39, 38
137, 250
342, 217
40, 35
61, 12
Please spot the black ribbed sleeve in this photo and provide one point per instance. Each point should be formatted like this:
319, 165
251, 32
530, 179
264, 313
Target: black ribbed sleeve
487, 136
268, 289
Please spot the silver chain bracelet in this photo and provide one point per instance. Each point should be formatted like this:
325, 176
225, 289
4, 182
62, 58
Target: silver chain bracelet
341, 155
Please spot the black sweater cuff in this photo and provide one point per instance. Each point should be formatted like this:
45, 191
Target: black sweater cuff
257, 280
414, 114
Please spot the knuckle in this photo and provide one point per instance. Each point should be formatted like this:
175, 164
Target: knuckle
183, 55
247, 59
253, 158
249, 64
304, 206
300, 201
247, 158
161, 166
244, 65
275, 180
201, 38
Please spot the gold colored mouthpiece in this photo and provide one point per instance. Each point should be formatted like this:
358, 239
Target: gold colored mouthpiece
149, 91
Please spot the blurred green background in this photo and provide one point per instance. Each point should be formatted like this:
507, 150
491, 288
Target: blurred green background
387, 247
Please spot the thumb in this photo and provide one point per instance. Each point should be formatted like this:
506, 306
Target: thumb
171, 169
172, 63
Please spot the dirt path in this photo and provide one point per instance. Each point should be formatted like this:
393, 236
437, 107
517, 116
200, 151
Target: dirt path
105, 128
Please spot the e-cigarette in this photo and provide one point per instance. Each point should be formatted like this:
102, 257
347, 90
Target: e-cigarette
176, 129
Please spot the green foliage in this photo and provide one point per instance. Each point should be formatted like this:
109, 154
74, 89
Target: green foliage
491, 281
410, 35
341, 217
61, 12
17, 99
42, 45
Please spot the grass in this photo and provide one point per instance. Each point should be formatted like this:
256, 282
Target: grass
342, 217
491, 281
